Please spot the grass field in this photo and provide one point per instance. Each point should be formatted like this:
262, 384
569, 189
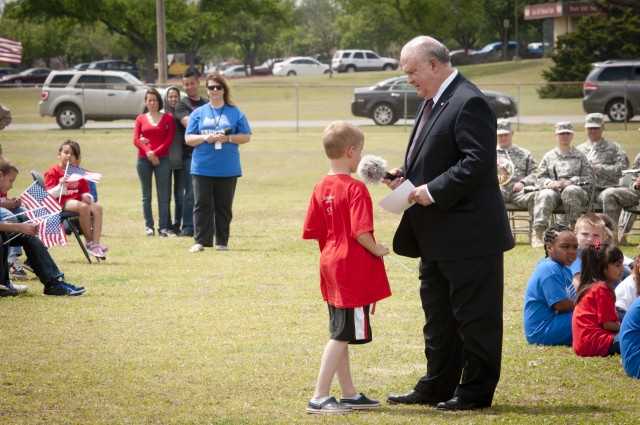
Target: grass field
163, 336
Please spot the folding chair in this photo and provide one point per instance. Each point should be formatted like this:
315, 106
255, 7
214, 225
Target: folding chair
68, 219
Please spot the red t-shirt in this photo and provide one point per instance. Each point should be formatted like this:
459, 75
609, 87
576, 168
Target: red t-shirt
75, 189
595, 307
160, 136
340, 210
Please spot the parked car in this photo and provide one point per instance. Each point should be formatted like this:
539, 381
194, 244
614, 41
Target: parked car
266, 68
7, 71
394, 98
115, 65
76, 96
234, 71
496, 47
28, 76
613, 88
361, 60
81, 66
300, 65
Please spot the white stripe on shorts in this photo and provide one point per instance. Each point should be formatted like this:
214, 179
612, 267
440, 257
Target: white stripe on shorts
359, 319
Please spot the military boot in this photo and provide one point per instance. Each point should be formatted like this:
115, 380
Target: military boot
537, 238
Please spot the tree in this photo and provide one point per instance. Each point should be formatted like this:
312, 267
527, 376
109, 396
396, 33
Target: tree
597, 38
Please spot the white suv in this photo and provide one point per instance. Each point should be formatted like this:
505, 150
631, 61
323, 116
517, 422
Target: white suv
76, 96
361, 60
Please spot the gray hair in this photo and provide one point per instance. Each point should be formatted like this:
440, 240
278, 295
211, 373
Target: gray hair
428, 47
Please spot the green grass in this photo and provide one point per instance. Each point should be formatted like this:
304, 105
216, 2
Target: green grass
164, 336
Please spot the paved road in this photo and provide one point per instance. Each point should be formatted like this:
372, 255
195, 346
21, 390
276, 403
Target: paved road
98, 125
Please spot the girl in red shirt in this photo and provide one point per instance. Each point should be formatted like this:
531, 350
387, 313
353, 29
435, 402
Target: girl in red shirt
595, 322
75, 196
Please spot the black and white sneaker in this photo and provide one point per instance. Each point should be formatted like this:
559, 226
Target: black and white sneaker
329, 406
363, 402
16, 270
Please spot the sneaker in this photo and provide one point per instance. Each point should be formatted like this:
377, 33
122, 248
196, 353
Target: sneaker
360, 403
328, 406
19, 289
150, 232
196, 248
102, 247
61, 288
27, 266
186, 232
166, 233
96, 252
16, 270
222, 248
61, 280
5, 291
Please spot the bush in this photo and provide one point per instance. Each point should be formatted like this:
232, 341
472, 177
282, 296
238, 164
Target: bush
560, 91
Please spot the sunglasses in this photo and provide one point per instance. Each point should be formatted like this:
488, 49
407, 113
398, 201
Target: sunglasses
218, 87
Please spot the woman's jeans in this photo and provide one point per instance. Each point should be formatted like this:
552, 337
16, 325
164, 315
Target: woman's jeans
163, 173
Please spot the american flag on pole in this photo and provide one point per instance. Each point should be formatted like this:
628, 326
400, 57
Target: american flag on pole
76, 173
44, 206
10, 50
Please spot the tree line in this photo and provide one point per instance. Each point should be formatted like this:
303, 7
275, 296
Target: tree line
250, 31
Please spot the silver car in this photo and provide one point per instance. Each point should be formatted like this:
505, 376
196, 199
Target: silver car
613, 88
76, 96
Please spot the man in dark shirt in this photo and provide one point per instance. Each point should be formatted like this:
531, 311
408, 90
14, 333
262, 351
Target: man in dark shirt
190, 85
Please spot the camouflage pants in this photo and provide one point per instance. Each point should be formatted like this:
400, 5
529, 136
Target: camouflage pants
573, 198
519, 199
614, 199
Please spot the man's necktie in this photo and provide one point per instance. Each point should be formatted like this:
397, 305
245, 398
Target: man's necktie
423, 119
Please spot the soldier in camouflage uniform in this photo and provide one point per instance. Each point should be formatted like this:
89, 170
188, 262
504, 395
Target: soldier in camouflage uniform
518, 190
564, 176
608, 160
626, 218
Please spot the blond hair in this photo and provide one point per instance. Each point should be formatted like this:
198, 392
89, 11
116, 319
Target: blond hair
590, 219
339, 136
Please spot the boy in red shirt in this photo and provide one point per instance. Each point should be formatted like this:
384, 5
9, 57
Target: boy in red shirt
352, 273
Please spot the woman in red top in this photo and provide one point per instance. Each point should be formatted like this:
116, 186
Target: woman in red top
75, 196
595, 322
153, 135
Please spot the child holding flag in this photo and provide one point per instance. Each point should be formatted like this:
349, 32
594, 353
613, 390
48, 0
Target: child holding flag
73, 193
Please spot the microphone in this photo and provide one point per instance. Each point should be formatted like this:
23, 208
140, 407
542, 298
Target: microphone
372, 169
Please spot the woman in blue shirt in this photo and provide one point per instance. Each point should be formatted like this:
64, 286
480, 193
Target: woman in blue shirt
215, 130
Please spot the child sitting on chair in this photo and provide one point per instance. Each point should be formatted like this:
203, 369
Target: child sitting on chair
75, 196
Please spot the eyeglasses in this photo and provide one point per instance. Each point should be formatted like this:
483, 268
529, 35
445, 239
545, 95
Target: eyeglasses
218, 88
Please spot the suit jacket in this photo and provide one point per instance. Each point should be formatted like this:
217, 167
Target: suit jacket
455, 156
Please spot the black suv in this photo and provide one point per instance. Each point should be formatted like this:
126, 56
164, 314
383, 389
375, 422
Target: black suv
613, 88
114, 65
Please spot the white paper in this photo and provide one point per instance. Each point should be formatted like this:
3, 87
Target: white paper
396, 201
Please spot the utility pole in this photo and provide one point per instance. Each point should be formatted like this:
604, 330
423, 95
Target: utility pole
161, 40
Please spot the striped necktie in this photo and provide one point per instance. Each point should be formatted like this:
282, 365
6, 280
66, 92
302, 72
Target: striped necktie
423, 119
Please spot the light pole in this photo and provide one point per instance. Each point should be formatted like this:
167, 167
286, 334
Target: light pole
506, 43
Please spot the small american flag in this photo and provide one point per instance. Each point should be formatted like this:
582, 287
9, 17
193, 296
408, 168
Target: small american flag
76, 173
44, 209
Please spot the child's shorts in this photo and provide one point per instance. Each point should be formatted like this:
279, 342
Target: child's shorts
350, 324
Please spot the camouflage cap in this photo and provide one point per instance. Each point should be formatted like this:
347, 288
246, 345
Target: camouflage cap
594, 121
504, 126
564, 127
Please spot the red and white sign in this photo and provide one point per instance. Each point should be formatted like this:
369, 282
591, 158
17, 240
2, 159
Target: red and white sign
10, 50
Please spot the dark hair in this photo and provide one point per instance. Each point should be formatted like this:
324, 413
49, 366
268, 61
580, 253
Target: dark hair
595, 258
552, 233
189, 74
157, 95
6, 166
75, 147
219, 78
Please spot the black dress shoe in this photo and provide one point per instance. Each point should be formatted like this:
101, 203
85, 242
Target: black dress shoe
413, 397
459, 402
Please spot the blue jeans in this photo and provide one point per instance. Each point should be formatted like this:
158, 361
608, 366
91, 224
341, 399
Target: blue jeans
187, 210
178, 195
146, 170
43, 265
9, 215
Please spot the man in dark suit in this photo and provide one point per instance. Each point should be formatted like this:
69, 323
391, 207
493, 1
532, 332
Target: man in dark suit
459, 230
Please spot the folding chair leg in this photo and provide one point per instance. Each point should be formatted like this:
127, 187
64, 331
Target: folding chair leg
76, 232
